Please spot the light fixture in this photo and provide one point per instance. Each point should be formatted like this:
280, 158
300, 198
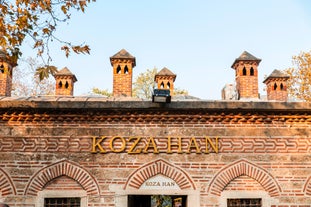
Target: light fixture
161, 96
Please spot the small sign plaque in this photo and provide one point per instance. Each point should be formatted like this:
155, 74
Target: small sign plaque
160, 182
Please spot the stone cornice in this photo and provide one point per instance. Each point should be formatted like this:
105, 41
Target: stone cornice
130, 103
200, 113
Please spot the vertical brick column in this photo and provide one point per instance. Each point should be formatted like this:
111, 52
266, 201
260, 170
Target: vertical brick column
246, 76
123, 64
276, 84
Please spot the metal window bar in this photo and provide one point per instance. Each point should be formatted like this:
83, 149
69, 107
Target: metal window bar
62, 202
243, 202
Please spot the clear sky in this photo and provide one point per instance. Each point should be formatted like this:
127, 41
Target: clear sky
196, 39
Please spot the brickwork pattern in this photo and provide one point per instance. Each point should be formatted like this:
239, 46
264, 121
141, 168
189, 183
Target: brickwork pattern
160, 167
45, 149
243, 167
47, 174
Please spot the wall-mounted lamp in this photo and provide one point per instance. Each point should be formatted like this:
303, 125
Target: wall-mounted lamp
161, 96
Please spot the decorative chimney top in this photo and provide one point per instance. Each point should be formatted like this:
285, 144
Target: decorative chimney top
65, 80
246, 76
276, 84
123, 63
165, 79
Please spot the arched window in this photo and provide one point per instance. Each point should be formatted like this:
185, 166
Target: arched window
126, 70
244, 71
252, 71
162, 85
60, 84
168, 85
2, 68
275, 86
66, 85
282, 87
118, 69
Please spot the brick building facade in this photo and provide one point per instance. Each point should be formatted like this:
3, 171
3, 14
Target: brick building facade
112, 152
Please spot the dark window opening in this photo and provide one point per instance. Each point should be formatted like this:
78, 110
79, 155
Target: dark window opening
275, 86
60, 84
62, 202
252, 71
118, 69
66, 85
244, 202
157, 201
244, 71
162, 85
2, 68
281, 87
126, 70
168, 85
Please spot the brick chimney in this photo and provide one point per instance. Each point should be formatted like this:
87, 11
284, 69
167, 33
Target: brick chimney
165, 79
276, 84
123, 64
64, 82
246, 76
6, 70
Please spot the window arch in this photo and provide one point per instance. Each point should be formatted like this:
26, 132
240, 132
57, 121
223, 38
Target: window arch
244, 71
162, 85
281, 87
275, 86
118, 71
60, 84
252, 72
168, 85
126, 70
2, 68
66, 85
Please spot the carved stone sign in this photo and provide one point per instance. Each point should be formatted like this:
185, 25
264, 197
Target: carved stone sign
160, 182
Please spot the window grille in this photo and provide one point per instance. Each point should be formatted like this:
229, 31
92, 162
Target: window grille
252, 202
62, 202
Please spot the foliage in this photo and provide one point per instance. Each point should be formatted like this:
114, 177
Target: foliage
144, 84
25, 83
299, 83
103, 92
38, 20
179, 91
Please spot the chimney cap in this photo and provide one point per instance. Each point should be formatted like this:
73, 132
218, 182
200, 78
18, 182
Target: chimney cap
123, 54
246, 56
276, 74
165, 72
65, 72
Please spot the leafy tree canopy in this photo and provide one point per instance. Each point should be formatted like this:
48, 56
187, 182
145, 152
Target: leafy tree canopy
37, 19
25, 83
299, 83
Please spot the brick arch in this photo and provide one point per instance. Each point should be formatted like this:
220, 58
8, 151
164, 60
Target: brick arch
160, 167
62, 168
244, 167
6, 184
307, 187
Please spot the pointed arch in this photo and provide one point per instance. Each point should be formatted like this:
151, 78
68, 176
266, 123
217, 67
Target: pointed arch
275, 86
151, 169
67, 168
118, 69
244, 71
6, 184
243, 167
60, 84
126, 70
281, 87
252, 72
